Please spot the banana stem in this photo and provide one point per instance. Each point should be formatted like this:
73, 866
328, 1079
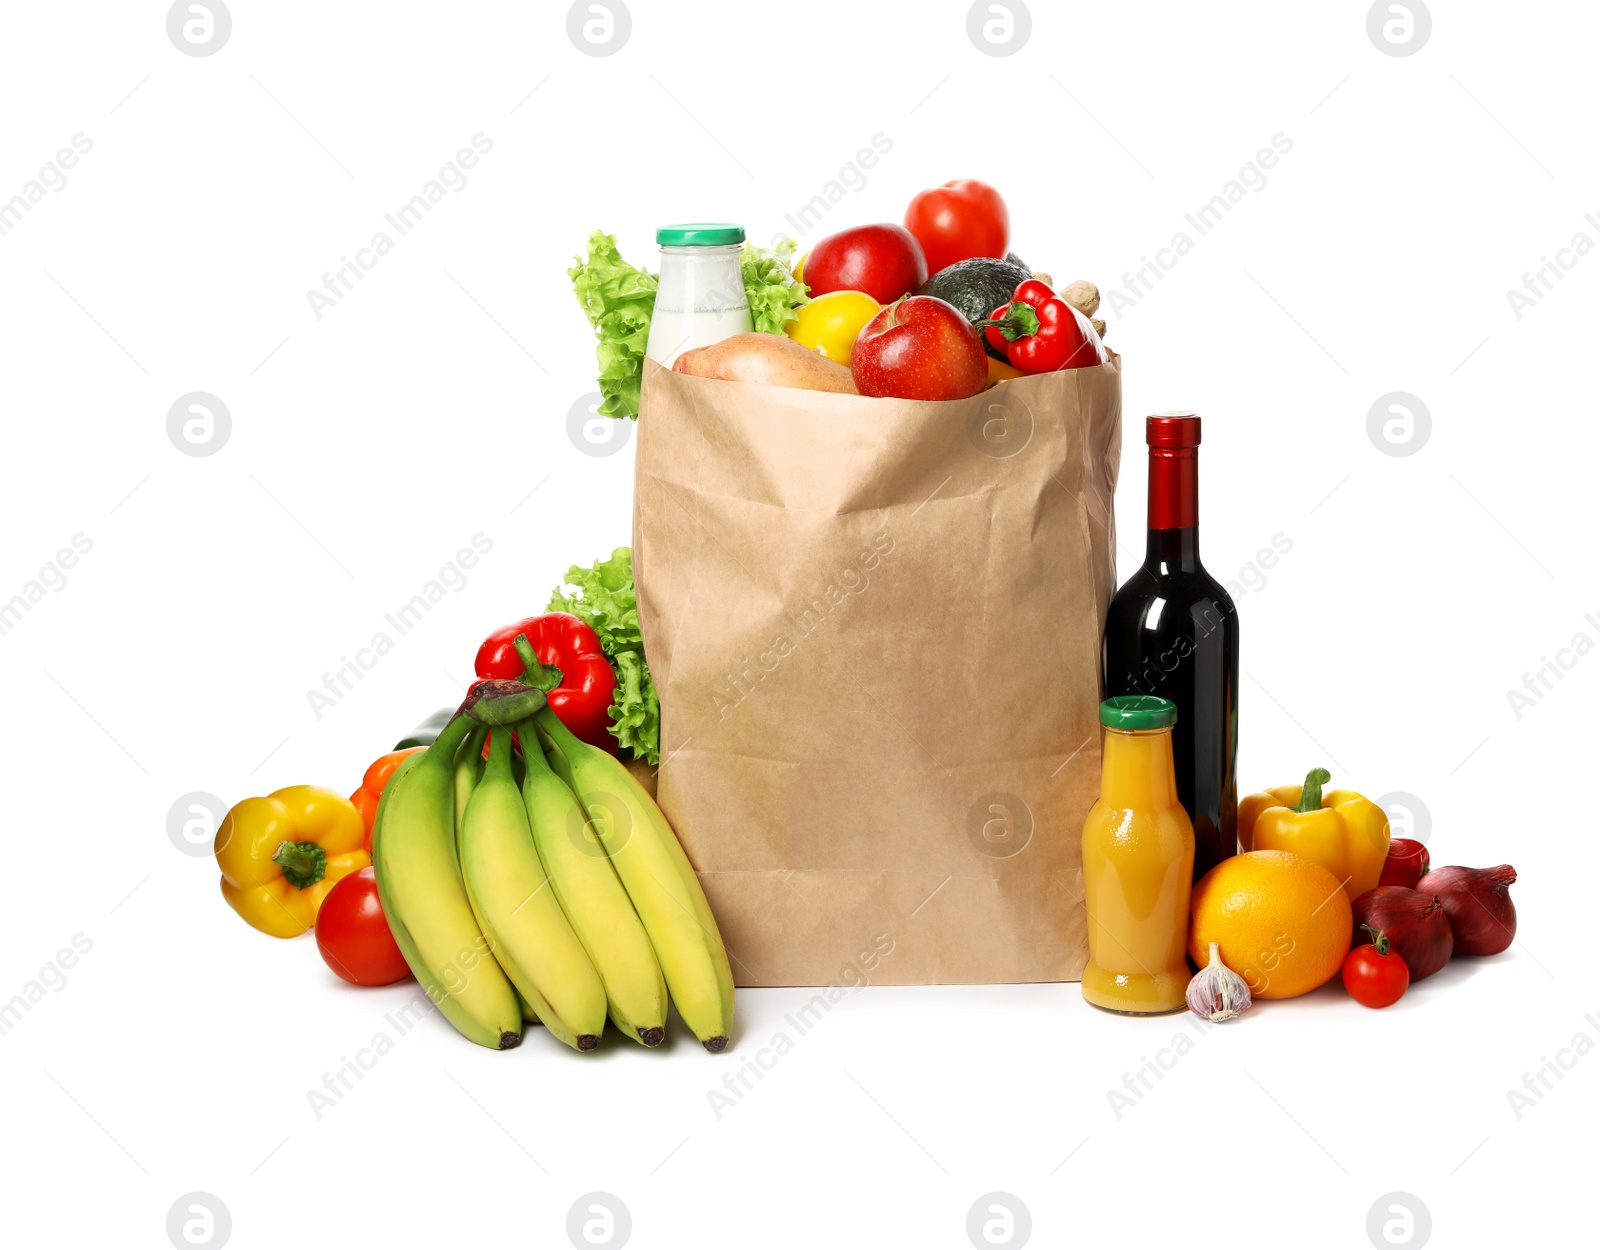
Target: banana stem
497, 701
564, 738
499, 752
529, 735
472, 744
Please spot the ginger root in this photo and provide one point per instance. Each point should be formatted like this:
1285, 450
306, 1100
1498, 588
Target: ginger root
1084, 296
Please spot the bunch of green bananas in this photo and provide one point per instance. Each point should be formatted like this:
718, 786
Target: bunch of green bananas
544, 886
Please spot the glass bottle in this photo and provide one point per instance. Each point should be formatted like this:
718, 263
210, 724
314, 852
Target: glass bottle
1138, 854
700, 297
1172, 631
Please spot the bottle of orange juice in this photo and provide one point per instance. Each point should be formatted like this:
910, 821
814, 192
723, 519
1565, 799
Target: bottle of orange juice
1138, 854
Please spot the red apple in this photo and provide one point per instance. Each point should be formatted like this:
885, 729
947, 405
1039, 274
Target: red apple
885, 261
919, 348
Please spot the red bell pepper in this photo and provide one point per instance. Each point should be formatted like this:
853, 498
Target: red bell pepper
566, 663
1040, 332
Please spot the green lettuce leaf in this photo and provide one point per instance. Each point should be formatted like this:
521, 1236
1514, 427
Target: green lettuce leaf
603, 598
770, 286
636, 709
618, 300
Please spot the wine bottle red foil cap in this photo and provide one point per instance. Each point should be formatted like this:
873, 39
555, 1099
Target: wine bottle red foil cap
1172, 430
1174, 441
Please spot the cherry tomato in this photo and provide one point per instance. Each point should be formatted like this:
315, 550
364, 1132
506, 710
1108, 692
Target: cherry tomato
1374, 975
958, 221
353, 935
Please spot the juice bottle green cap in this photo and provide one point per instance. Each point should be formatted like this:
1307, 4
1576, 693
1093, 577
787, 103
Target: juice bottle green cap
1138, 711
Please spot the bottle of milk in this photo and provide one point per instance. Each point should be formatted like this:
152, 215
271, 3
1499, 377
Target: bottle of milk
700, 297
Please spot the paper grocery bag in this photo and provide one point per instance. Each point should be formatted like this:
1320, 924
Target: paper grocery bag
875, 629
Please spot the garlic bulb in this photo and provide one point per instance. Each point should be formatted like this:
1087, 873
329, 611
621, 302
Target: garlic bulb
1217, 992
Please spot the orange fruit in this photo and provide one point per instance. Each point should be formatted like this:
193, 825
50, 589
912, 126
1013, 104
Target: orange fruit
1280, 921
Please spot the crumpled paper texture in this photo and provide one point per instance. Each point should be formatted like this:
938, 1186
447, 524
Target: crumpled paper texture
875, 629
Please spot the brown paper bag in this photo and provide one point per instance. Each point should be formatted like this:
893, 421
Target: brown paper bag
875, 629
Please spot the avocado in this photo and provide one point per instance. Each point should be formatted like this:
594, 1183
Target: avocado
977, 287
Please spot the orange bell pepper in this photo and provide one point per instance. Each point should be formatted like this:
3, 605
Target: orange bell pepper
371, 789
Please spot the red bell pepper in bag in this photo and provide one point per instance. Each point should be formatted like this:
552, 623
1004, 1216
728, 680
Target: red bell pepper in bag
568, 665
1040, 332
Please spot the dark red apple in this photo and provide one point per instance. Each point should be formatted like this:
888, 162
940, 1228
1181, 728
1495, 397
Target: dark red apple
885, 261
919, 348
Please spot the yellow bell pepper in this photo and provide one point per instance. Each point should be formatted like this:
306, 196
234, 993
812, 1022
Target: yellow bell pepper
280, 855
1340, 830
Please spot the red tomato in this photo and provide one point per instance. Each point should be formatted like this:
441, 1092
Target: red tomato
353, 935
958, 221
1375, 975
919, 348
884, 261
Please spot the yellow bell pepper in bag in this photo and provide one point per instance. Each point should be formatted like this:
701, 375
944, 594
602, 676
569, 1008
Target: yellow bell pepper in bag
280, 855
1340, 830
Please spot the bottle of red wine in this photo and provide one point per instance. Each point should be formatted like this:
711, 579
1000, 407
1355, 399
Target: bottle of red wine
1173, 631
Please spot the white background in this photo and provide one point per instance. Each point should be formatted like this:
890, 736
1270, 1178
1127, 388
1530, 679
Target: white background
369, 445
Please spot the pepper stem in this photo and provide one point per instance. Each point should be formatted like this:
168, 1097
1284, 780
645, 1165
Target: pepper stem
1020, 321
540, 676
303, 863
1311, 792
1380, 939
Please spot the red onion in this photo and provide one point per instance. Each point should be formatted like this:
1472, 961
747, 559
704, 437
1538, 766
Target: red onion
1418, 929
1406, 865
1478, 902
